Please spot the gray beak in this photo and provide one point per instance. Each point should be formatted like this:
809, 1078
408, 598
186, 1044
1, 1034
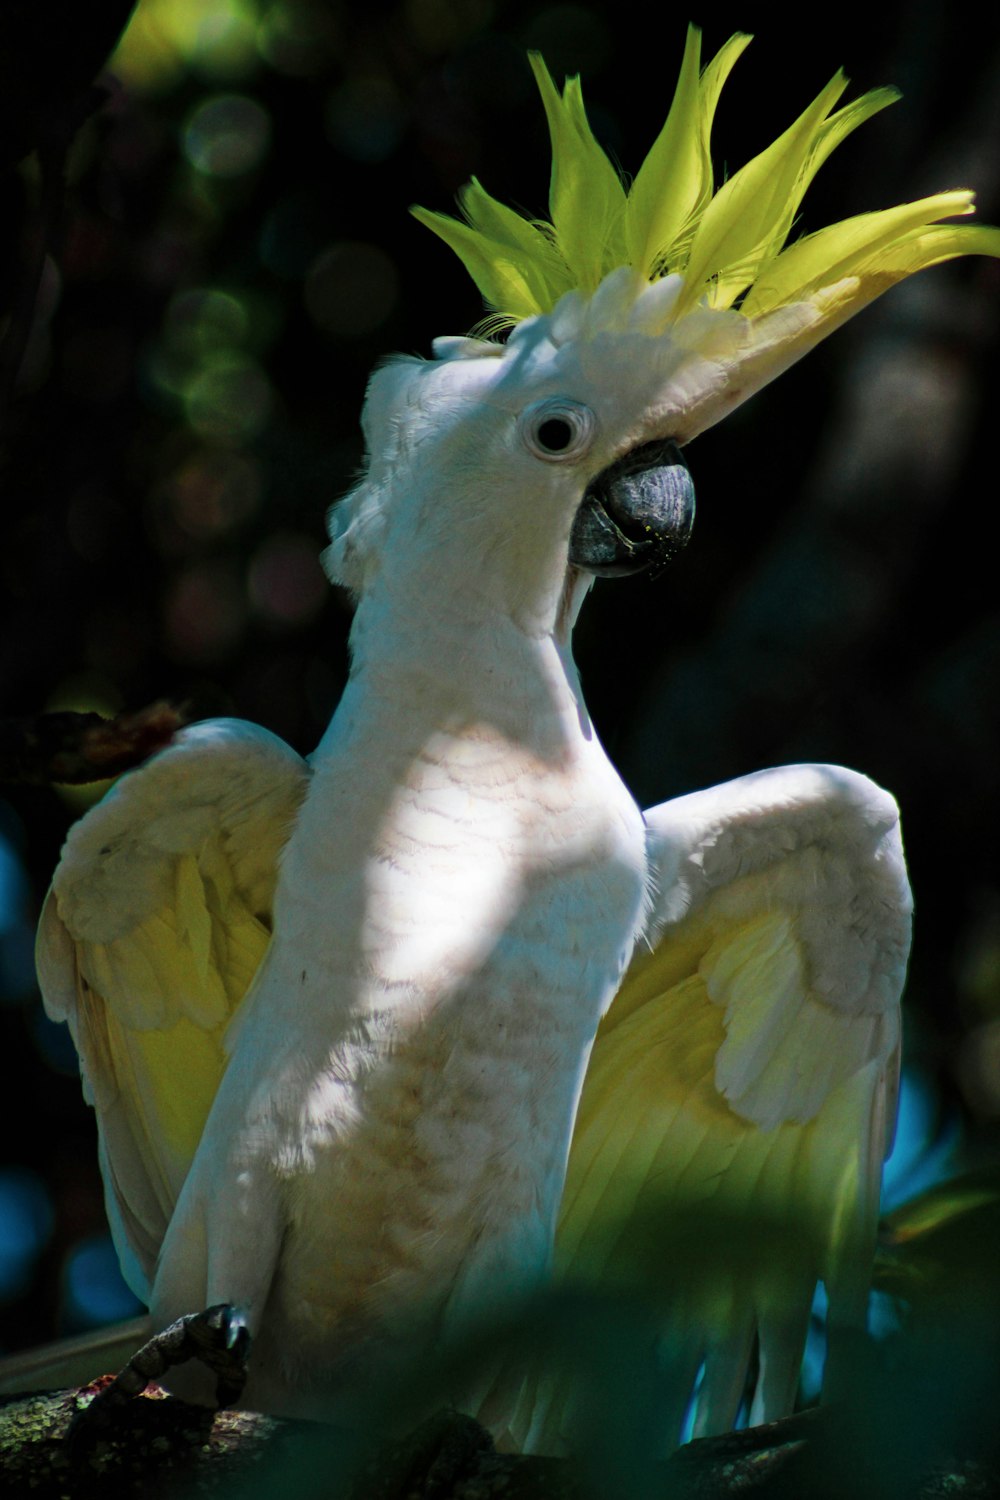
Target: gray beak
637, 514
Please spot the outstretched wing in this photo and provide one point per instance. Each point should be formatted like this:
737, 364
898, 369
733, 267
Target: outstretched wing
742, 1088
157, 920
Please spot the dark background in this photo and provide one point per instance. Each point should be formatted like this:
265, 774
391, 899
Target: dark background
236, 254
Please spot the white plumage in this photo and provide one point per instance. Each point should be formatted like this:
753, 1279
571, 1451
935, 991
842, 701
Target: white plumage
464, 879
380, 1043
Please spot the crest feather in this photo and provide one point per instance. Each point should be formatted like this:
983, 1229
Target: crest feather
729, 246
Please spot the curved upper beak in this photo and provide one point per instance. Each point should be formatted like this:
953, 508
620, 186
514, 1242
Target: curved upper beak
637, 514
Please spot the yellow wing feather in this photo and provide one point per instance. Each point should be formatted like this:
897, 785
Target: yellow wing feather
728, 1145
156, 924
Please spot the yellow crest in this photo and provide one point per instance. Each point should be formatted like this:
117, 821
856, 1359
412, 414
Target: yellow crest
728, 245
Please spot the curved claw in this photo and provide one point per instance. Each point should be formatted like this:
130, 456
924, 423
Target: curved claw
218, 1337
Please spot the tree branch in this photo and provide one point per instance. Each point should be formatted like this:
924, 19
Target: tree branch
163, 1447
78, 748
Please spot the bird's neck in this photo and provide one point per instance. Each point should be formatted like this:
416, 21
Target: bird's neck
467, 665
460, 758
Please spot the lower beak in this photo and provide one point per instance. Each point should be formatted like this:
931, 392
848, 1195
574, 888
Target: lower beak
637, 514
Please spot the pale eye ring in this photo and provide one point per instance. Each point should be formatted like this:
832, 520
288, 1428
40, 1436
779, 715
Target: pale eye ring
557, 429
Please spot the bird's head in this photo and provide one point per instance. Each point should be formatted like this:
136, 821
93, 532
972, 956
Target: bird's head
638, 317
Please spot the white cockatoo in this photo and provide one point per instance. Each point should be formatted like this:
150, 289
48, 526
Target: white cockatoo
381, 1041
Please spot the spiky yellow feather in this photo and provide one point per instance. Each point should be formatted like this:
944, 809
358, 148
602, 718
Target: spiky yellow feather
729, 244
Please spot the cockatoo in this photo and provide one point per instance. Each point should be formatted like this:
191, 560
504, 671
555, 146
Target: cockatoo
381, 1041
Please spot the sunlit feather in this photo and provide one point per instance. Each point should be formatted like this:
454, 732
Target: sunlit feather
729, 244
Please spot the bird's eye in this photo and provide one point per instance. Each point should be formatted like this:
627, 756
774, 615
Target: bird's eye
557, 429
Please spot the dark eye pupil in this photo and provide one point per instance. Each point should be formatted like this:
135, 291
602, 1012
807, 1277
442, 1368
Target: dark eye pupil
555, 434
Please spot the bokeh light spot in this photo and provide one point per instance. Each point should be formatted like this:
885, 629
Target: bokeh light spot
204, 613
25, 1226
227, 135
54, 1044
229, 397
351, 288
94, 1292
200, 360
13, 885
204, 319
924, 1149
214, 491
17, 963
285, 582
814, 1353
978, 1070
167, 38
17, 934
84, 693
298, 39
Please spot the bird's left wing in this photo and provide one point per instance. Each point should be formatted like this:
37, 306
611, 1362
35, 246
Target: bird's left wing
741, 1092
157, 920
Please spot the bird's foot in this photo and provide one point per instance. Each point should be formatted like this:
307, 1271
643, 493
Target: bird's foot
218, 1338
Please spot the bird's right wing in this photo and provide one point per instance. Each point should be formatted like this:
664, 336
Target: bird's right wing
157, 920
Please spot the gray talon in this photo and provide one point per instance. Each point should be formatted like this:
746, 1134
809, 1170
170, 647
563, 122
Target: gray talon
218, 1337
